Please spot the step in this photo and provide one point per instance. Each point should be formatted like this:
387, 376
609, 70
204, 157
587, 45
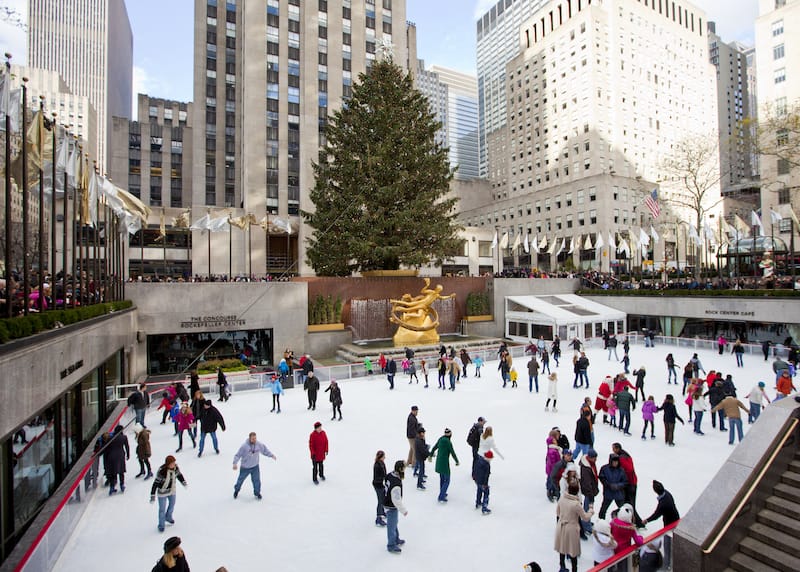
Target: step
787, 491
779, 521
744, 563
791, 478
774, 537
768, 555
783, 506
795, 465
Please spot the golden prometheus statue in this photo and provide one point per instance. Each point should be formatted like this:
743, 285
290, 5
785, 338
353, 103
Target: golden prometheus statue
415, 316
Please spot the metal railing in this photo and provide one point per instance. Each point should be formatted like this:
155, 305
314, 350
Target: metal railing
625, 559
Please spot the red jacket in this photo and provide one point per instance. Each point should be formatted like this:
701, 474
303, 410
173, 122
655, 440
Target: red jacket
318, 445
626, 462
603, 393
623, 532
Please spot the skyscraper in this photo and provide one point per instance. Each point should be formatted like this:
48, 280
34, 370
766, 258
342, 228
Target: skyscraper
267, 73
497, 45
88, 42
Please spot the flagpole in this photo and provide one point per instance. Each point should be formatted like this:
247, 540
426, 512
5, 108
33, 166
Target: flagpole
73, 227
64, 217
9, 222
26, 285
84, 275
250, 249
40, 249
230, 249
107, 287
53, 253
209, 247
96, 250
164, 241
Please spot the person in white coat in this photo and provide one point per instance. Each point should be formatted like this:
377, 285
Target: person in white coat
486, 443
552, 392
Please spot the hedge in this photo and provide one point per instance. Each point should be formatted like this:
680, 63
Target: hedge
227, 365
24, 326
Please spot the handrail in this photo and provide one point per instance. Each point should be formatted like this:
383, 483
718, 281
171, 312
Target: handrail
746, 498
55, 514
633, 548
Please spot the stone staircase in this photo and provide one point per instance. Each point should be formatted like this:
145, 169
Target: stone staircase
773, 541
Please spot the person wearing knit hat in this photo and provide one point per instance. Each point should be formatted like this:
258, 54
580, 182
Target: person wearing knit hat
173, 560
318, 445
445, 448
756, 396
165, 485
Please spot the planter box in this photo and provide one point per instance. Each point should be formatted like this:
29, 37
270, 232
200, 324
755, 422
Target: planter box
390, 273
313, 328
482, 318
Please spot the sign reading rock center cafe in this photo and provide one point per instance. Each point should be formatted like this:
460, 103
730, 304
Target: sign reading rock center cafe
213, 322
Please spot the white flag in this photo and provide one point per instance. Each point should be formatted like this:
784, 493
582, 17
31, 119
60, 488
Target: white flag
526, 245
10, 103
588, 244
776, 217
654, 234
543, 243
219, 224
552, 248
517, 242
535, 244
281, 224
562, 246
494, 241
504, 241
623, 246
599, 244
63, 153
756, 220
693, 235
611, 242
571, 244
709, 234
644, 240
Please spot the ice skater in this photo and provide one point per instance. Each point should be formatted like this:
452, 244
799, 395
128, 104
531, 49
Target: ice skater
249, 454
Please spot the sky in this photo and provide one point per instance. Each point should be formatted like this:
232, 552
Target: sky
163, 41
300, 526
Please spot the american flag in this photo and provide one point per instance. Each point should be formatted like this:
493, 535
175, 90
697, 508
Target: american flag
651, 202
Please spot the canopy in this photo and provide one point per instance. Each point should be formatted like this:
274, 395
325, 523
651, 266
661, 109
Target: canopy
568, 315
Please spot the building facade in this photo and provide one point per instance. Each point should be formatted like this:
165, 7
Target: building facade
267, 75
90, 43
777, 50
597, 97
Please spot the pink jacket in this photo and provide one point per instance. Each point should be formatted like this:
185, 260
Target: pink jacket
185, 420
623, 532
553, 456
648, 409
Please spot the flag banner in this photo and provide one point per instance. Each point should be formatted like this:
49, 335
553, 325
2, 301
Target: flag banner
654, 234
755, 220
572, 244
644, 239
741, 226
693, 235
794, 219
562, 246
517, 242
588, 244
775, 217
240, 222
72, 165
526, 245
62, 154
708, 232
651, 202
494, 240
10, 103
219, 224
623, 247
611, 242
183, 220
535, 244
599, 244
504, 241
543, 243
162, 225
40, 143
552, 248
201, 223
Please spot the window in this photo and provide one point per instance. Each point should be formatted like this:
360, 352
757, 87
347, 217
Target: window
780, 106
778, 52
783, 166
580, 195
777, 28
782, 137
592, 194
592, 217
784, 196
780, 75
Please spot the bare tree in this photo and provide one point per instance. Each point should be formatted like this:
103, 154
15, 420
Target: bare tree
693, 177
777, 132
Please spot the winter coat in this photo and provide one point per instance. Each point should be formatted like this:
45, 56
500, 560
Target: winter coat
336, 395
180, 565
626, 462
553, 456
731, 406
421, 449
311, 384
276, 387
165, 483
143, 450
412, 426
391, 367
648, 410
589, 478
378, 474
670, 413
533, 367
445, 448
603, 393
185, 420
488, 445
283, 367
665, 509
582, 364
614, 482
308, 366
318, 445
623, 532
137, 400
209, 420
569, 512
640, 374
715, 395
624, 400
483, 468
197, 407
583, 431
115, 454
552, 388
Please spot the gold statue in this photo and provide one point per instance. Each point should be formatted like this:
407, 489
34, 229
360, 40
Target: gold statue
418, 320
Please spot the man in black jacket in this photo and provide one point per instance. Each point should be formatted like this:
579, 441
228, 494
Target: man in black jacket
667, 511
391, 370
210, 418
412, 427
138, 401
583, 435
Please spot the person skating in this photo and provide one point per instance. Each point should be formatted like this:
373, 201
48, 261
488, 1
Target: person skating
756, 396
604, 544
625, 402
668, 512
391, 371
173, 560
487, 443
584, 436
138, 401
672, 373
441, 370
318, 446
533, 374
613, 478
731, 406
249, 454
209, 421
143, 451
116, 452
640, 375
412, 430
474, 438
649, 409
623, 530
670, 415
569, 515
699, 407
421, 453
277, 390
306, 367
311, 387
393, 503
165, 487
412, 372
590, 486
335, 399
445, 450
552, 392
626, 462
222, 385
480, 475
552, 457
378, 483
185, 422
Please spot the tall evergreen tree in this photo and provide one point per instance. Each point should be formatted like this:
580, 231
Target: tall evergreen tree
381, 182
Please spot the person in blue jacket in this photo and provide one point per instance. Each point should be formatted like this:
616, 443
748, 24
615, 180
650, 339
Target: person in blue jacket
481, 477
277, 390
614, 481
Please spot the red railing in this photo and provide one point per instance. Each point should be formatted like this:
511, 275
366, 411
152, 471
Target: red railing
57, 512
628, 552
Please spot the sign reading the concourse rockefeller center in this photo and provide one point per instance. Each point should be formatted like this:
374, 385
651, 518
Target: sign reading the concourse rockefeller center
213, 322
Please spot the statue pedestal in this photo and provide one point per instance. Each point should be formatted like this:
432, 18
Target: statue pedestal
404, 337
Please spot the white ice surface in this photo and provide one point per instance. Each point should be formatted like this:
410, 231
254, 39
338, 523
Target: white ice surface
300, 526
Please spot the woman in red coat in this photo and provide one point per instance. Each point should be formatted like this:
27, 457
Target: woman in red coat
601, 401
318, 445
